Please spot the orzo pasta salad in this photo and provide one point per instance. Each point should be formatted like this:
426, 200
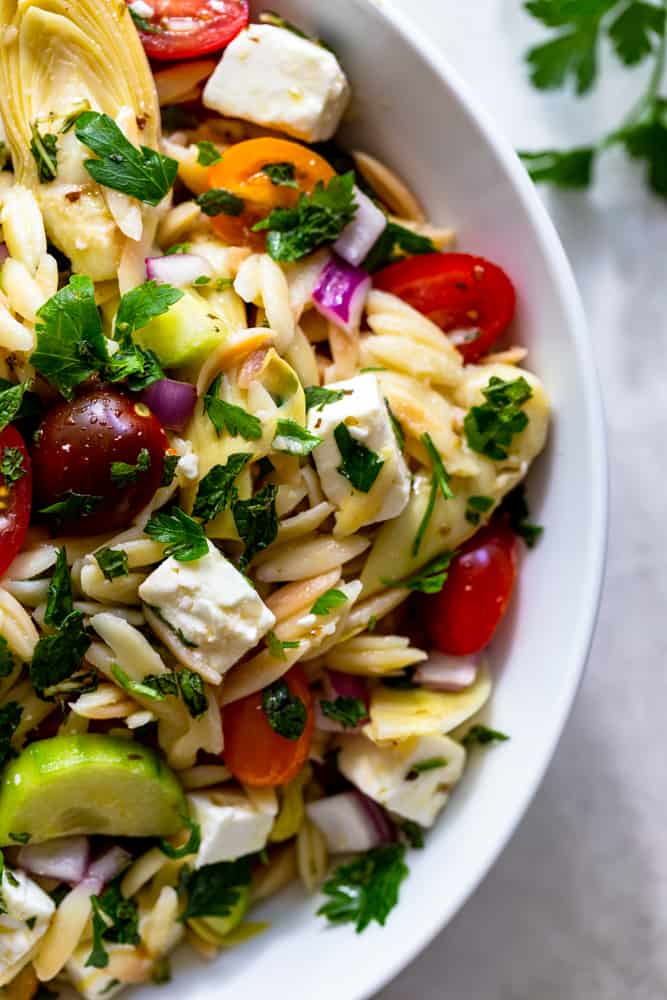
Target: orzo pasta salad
262, 437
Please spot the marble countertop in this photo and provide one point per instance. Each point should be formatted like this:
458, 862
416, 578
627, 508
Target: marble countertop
576, 909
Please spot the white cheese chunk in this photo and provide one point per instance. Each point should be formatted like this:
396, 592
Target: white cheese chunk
391, 775
126, 965
274, 78
231, 825
364, 412
210, 605
28, 915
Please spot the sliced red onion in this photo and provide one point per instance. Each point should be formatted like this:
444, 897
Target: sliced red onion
172, 402
177, 268
349, 823
4, 252
345, 686
447, 673
362, 233
108, 865
65, 859
340, 293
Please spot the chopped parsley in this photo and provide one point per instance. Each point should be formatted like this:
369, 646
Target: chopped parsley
396, 427
184, 683
477, 506
183, 537
413, 833
11, 400
71, 506
10, 716
430, 579
112, 563
217, 489
281, 174
115, 919
138, 689
318, 396
169, 471
7, 661
294, 439
316, 219
59, 601
20, 838
192, 691
57, 657
229, 417
421, 766
12, 465
277, 647
366, 889
44, 149
359, 465
142, 24
489, 428
328, 602
122, 473
439, 482
256, 521
217, 201
348, 711
191, 847
285, 712
142, 304
516, 505
396, 238
214, 890
207, 154
482, 736
139, 172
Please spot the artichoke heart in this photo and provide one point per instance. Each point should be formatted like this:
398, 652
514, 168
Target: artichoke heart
57, 58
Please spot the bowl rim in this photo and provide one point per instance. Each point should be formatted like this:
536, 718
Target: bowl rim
565, 283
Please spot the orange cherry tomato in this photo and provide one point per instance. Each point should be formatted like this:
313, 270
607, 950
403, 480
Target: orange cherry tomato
254, 752
241, 172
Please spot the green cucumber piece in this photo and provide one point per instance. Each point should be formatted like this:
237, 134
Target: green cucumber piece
85, 784
214, 929
184, 335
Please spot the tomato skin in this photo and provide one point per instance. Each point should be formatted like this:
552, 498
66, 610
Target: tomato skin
464, 616
457, 292
75, 446
190, 28
254, 752
15, 502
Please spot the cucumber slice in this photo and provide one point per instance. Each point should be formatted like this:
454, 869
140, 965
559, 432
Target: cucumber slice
89, 785
185, 335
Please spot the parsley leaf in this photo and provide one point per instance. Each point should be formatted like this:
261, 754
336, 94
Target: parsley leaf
192, 691
217, 201
57, 657
10, 716
489, 428
59, 601
359, 465
207, 153
11, 465
294, 439
430, 579
277, 647
395, 426
396, 238
191, 847
572, 54
439, 481
122, 473
7, 661
516, 506
482, 736
285, 712
317, 219
169, 471
256, 521
72, 505
112, 563
647, 140
431, 764
142, 304
317, 397
572, 168
635, 29
413, 833
328, 602
281, 174
217, 489
115, 919
183, 537
142, 24
44, 149
478, 505
11, 399
140, 172
214, 890
226, 416
348, 711
141, 689
134, 365
366, 889
70, 341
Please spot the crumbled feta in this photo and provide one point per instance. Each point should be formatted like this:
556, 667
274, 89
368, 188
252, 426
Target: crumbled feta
210, 605
274, 78
364, 412
231, 825
387, 774
28, 915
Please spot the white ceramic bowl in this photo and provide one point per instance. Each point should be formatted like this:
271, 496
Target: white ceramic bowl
412, 110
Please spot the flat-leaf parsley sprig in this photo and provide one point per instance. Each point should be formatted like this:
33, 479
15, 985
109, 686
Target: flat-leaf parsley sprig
637, 31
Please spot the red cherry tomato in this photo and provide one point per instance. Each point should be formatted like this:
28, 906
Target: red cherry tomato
254, 752
183, 29
463, 617
75, 446
457, 292
15, 498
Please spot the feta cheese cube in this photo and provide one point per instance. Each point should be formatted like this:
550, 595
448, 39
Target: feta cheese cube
393, 776
231, 825
364, 412
126, 965
28, 915
270, 76
211, 607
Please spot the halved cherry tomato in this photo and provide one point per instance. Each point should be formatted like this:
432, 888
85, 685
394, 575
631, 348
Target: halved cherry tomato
463, 617
15, 500
183, 29
457, 292
254, 752
241, 172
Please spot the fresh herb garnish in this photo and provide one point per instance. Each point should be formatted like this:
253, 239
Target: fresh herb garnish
183, 537
7, 661
112, 563
10, 716
413, 833
365, 889
489, 428
281, 174
20, 838
317, 397
115, 919
207, 153
477, 506
11, 400
277, 647
142, 24
285, 712
214, 890
139, 172
317, 219
439, 482
328, 602
482, 736
192, 691
184, 683
226, 416
122, 473
217, 489
72, 505
294, 439
432, 764
217, 201
516, 506
138, 689
396, 238
44, 149
169, 471
348, 711
191, 847
11, 465
256, 521
395, 426
142, 304
430, 579
59, 601
359, 465
57, 657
